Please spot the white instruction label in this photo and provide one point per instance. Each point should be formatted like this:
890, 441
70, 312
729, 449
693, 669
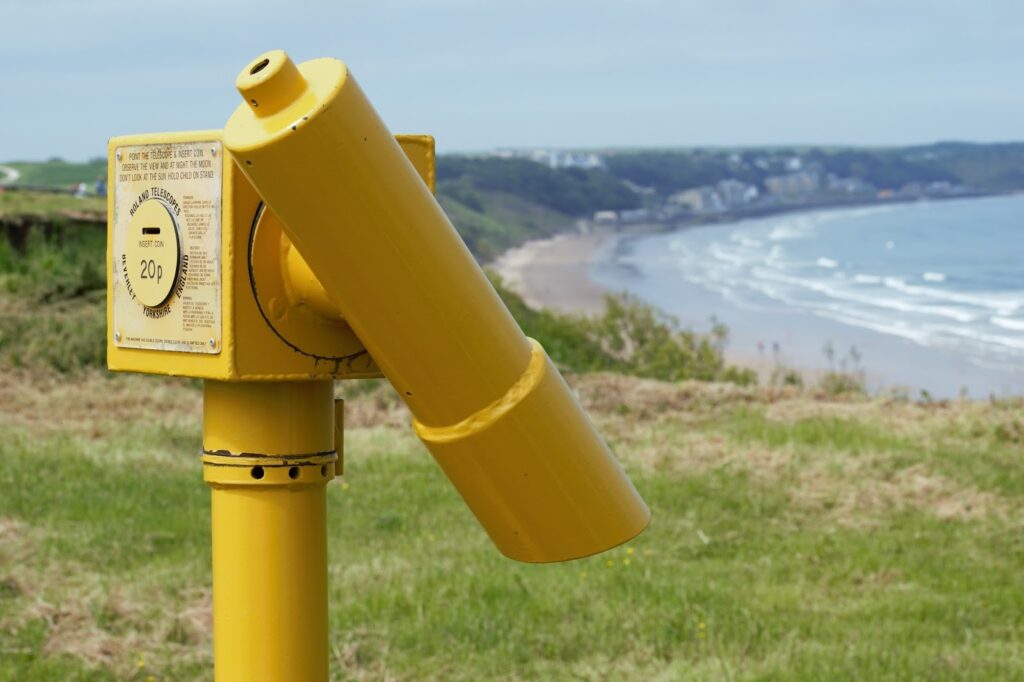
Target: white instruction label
166, 247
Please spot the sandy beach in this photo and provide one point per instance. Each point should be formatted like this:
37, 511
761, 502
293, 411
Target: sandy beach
554, 273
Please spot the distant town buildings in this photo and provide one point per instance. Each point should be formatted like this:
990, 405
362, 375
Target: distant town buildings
848, 186
554, 158
725, 195
793, 185
761, 180
698, 200
736, 193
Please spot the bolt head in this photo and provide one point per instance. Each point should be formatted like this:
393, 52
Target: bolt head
117, 336
213, 343
117, 156
213, 151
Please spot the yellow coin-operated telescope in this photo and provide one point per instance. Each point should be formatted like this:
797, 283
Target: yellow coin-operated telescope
300, 245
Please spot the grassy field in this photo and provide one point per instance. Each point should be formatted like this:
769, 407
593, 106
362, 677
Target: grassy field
798, 533
794, 536
57, 172
19, 204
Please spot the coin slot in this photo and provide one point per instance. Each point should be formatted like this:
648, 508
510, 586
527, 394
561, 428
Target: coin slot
153, 258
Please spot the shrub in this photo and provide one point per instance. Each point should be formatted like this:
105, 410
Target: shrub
845, 375
629, 337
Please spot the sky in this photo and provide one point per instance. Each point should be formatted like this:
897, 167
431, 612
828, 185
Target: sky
480, 75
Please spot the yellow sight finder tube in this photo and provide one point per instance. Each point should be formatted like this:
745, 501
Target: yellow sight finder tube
488, 403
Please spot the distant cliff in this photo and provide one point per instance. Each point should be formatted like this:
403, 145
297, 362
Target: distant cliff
500, 199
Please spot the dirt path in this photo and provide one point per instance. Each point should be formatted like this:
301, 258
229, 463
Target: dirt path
8, 175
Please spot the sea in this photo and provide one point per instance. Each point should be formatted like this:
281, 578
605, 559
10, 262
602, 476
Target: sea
926, 297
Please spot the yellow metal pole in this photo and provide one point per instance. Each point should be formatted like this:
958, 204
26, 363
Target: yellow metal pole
269, 451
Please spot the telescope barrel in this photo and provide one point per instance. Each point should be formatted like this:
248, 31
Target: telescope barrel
487, 402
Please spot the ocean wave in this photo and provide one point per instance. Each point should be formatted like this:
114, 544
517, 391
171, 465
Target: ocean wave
861, 310
1004, 303
1007, 323
728, 288
721, 253
934, 277
827, 262
976, 343
987, 363
743, 239
794, 229
803, 225
1015, 343
679, 246
880, 325
823, 287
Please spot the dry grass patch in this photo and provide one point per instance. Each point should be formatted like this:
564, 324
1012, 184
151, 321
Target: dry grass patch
944, 421
372, 405
92, 618
94, 405
665, 445
863, 491
646, 398
362, 654
123, 628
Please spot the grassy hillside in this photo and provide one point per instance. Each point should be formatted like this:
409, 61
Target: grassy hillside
491, 216
44, 206
57, 172
794, 537
982, 167
491, 222
572, 191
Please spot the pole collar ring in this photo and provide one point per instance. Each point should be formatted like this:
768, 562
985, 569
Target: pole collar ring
249, 469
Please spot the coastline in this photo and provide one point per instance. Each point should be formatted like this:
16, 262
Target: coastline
572, 273
554, 273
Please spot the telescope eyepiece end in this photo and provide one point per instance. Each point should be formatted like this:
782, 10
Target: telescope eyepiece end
270, 83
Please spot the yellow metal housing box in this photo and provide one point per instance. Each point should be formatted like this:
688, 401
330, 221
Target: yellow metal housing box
203, 282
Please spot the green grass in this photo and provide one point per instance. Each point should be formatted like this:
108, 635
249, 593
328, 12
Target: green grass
763, 560
52, 285
46, 205
58, 173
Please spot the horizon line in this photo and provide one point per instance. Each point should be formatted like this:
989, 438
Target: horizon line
795, 146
